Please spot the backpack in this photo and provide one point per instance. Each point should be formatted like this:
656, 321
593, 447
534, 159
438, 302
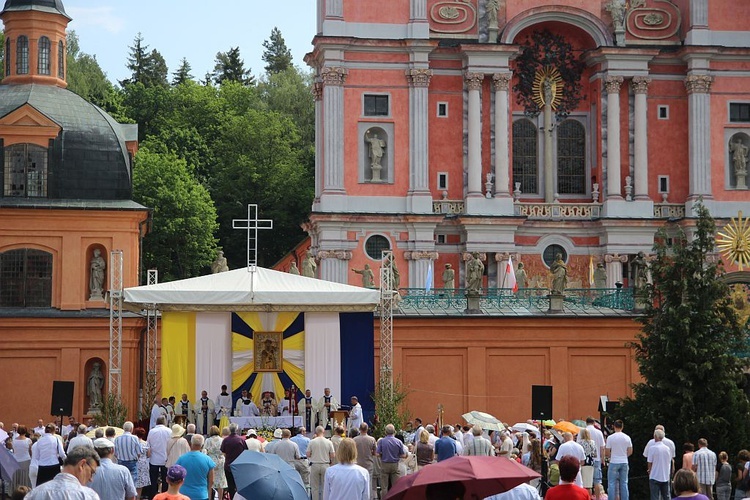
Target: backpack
554, 474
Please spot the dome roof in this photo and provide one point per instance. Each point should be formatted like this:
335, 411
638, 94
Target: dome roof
89, 159
54, 6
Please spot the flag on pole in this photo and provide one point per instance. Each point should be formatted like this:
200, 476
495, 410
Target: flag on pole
510, 276
428, 281
591, 270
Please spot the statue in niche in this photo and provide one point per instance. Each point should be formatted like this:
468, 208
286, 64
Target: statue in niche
521, 279
309, 267
220, 264
600, 276
641, 272
376, 147
94, 386
492, 7
449, 277
474, 273
559, 275
96, 281
368, 278
739, 154
293, 268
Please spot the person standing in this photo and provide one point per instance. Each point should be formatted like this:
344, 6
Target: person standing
724, 478
390, 450
112, 481
128, 449
308, 409
22, 454
81, 439
199, 480
232, 447
49, 453
223, 406
302, 442
366, 448
212, 447
185, 408
175, 478
571, 448
157, 441
567, 489
618, 448
326, 405
78, 469
424, 451
355, 414
597, 436
177, 445
143, 477
659, 467
346, 480
289, 453
204, 413
704, 466
445, 447
157, 410
320, 453
667, 442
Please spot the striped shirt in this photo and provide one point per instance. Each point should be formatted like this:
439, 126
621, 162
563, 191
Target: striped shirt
127, 447
479, 446
704, 461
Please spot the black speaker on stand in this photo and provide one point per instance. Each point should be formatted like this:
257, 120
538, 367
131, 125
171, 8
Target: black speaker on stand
541, 410
62, 399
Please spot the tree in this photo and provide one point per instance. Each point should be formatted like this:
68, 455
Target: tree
231, 68
687, 350
84, 75
182, 74
148, 68
182, 242
156, 71
276, 55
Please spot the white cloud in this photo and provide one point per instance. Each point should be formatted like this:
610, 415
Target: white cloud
96, 17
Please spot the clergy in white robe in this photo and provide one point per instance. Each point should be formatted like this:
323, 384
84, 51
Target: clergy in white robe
284, 407
308, 410
204, 414
156, 411
326, 405
223, 404
246, 407
268, 404
355, 414
185, 408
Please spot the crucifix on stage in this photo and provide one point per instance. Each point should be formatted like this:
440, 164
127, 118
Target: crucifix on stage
252, 224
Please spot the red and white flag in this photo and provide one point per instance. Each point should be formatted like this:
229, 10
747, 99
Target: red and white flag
510, 276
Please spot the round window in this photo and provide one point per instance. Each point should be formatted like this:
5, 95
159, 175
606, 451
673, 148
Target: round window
375, 245
551, 252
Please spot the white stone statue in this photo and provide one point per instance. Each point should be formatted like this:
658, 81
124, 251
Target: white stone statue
94, 386
492, 7
617, 9
309, 267
220, 264
376, 149
739, 161
96, 281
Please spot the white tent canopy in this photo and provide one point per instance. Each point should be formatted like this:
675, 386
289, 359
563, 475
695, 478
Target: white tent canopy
262, 290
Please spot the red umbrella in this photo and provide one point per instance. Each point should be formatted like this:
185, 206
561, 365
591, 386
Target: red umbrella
480, 477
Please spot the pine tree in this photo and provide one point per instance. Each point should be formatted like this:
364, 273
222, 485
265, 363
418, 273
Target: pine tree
137, 60
277, 56
182, 74
687, 350
230, 67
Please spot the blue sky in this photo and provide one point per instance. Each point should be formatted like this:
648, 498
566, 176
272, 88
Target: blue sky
193, 29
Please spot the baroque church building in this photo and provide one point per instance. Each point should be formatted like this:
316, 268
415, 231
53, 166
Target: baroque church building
520, 130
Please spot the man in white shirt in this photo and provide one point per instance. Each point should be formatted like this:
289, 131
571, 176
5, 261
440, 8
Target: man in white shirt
39, 429
523, 491
157, 440
49, 452
81, 439
67, 429
571, 448
156, 411
659, 467
355, 414
618, 447
667, 442
598, 437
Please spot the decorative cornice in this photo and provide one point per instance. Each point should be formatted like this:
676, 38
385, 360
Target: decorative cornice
698, 84
615, 258
474, 80
418, 77
333, 75
334, 254
613, 83
421, 255
501, 81
317, 91
467, 256
502, 257
640, 84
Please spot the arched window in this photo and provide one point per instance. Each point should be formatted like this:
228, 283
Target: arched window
571, 158
375, 245
25, 278
22, 55
43, 66
25, 172
7, 57
525, 162
60, 60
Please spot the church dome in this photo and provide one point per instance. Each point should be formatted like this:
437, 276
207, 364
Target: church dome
88, 160
54, 6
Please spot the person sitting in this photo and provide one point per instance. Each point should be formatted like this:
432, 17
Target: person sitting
567, 490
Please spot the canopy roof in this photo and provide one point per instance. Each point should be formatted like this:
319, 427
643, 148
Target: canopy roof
262, 290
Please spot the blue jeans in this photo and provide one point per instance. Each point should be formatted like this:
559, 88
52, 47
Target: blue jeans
618, 474
132, 466
597, 472
659, 490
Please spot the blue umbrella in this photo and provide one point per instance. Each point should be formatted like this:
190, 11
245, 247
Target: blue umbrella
267, 476
8, 464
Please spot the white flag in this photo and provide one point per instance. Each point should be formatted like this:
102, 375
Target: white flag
510, 276
428, 281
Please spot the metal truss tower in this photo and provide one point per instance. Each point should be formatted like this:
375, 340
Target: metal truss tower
152, 334
387, 298
115, 322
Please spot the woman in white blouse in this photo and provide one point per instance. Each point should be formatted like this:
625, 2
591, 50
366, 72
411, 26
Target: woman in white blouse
346, 480
22, 454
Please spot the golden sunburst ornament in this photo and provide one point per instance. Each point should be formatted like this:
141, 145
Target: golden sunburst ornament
547, 87
734, 242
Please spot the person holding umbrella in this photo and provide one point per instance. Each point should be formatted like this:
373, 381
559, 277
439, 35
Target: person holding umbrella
346, 480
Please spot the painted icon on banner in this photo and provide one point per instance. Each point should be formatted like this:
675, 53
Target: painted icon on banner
268, 355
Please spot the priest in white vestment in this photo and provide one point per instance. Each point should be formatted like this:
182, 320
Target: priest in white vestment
223, 404
355, 414
204, 414
308, 410
185, 408
326, 405
156, 411
246, 407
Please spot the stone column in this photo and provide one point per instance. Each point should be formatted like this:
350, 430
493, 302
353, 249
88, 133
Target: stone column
317, 91
500, 83
418, 10
698, 13
419, 263
613, 264
640, 146
333, 126
334, 265
334, 8
612, 85
699, 135
474, 85
419, 172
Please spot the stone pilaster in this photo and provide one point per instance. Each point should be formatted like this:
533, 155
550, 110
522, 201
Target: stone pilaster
317, 91
500, 84
640, 89
699, 135
474, 86
612, 85
419, 173
333, 125
334, 265
419, 263
613, 264
334, 8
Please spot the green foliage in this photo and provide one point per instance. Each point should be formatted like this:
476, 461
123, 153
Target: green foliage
85, 77
231, 68
182, 75
290, 92
541, 49
687, 349
113, 411
182, 242
276, 55
150, 391
148, 68
390, 406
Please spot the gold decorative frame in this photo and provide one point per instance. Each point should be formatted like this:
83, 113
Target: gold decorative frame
268, 351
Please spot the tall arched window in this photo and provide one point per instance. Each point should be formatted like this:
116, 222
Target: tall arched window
25, 172
7, 57
25, 278
571, 158
525, 163
22, 55
43, 66
60, 60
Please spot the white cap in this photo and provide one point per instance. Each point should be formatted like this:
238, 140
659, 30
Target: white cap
103, 443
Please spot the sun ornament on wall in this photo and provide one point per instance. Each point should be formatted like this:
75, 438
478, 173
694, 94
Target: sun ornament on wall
548, 86
734, 241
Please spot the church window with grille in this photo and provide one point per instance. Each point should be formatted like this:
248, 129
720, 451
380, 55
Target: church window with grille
43, 66
571, 158
7, 57
22, 55
525, 156
25, 172
25, 278
375, 245
60, 60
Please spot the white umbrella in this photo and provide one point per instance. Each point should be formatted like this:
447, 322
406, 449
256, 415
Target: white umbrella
483, 420
526, 427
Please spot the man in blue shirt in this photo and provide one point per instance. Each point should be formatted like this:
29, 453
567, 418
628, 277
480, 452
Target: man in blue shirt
390, 450
111, 480
445, 447
302, 441
200, 471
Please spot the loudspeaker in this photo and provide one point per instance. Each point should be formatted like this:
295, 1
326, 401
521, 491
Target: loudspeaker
541, 402
62, 398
